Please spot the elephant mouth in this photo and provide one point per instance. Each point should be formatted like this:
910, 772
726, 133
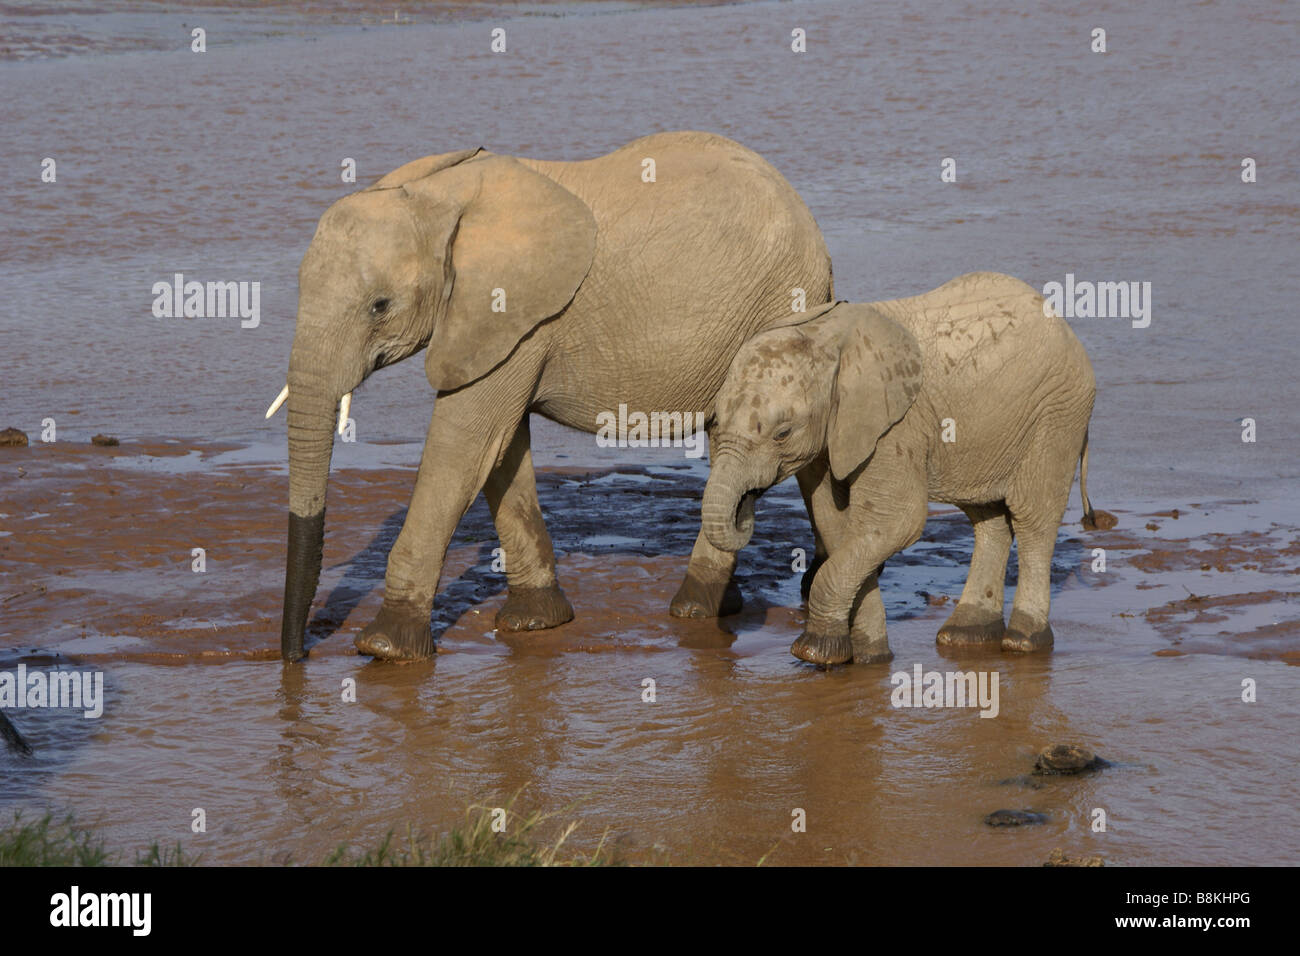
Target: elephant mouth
744, 516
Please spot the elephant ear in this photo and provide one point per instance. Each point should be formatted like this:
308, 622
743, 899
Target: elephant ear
517, 247
427, 166
799, 318
878, 379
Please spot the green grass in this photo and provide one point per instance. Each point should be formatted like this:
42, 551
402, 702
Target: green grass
63, 843
46, 842
478, 843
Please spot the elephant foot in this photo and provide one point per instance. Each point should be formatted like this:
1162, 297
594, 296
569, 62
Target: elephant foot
805, 582
971, 627
871, 650
699, 599
534, 609
824, 647
1023, 636
397, 635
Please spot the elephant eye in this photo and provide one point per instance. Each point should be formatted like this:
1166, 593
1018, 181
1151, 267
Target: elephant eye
379, 307
783, 432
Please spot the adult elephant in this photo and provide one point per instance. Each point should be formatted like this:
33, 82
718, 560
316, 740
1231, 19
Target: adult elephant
562, 288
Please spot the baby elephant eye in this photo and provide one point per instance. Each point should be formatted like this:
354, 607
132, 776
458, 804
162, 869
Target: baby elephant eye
782, 432
379, 307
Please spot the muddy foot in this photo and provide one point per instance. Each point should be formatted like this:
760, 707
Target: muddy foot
699, 599
971, 627
534, 609
873, 652
397, 635
823, 647
1022, 636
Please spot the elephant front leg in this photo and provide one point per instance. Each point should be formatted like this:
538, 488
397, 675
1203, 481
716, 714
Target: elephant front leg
826, 637
534, 601
840, 591
825, 500
455, 465
867, 631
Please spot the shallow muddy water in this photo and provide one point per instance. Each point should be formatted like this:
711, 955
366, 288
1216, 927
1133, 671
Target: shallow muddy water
199, 712
1117, 167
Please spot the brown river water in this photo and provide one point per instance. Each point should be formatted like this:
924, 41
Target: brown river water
1122, 166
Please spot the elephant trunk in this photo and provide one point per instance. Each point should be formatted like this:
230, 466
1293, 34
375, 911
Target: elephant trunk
727, 514
311, 443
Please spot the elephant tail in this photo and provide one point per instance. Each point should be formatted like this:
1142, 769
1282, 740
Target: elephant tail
1092, 520
10, 735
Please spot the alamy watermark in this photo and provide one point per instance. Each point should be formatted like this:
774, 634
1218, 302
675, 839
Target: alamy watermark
208, 300
653, 430
1073, 299
951, 689
57, 689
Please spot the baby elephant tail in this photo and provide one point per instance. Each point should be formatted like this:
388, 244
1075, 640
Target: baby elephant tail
1092, 520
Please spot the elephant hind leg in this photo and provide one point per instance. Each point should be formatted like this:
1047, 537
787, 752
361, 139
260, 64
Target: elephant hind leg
977, 618
1037, 500
535, 600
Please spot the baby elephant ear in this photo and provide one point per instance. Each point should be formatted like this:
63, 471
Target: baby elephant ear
879, 377
426, 166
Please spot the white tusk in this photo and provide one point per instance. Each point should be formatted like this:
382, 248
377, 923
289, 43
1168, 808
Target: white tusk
345, 406
279, 400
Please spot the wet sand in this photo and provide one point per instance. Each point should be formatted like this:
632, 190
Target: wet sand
96, 565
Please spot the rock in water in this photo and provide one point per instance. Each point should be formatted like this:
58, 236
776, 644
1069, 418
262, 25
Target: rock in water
1058, 858
1014, 818
1066, 759
1099, 520
107, 441
14, 437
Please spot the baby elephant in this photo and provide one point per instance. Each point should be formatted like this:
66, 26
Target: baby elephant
968, 395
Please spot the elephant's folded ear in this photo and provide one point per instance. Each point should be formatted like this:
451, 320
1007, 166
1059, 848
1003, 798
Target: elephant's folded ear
878, 379
426, 166
799, 318
521, 248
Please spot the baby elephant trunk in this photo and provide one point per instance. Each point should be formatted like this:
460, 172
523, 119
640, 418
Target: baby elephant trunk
727, 515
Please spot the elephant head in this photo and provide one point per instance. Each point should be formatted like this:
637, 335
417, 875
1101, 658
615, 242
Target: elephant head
834, 384
463, 254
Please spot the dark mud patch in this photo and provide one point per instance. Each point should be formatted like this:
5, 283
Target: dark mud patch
1196, 624
1225, 604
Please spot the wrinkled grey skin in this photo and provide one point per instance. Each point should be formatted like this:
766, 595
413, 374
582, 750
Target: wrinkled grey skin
616, 290
854, 402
